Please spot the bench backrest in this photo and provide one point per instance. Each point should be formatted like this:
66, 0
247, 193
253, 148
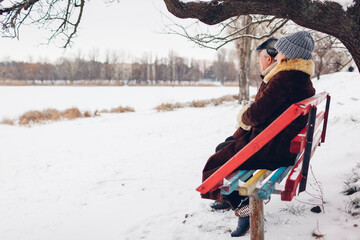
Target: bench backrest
305, 144
298, 145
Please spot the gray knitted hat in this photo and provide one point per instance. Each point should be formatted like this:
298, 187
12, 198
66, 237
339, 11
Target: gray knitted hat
298, 45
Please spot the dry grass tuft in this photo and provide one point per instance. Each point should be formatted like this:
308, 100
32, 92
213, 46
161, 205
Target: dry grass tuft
29, 117
7, 121
122, 109
104, 111
71, 113
199, 103
216, 101
87, 114
196, 103
221, 100
165, 107
169, 107
119, 109
32, 117
179, 105
51, 114
37, 116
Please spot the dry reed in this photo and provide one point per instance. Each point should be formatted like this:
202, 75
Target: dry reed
87, 114
164, 107
199, 103
122, 109
7, 121
119, 109
196, 103
37, 116
71, 113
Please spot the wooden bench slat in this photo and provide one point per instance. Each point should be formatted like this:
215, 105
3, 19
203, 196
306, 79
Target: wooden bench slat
269, 187
294, 177
298, 143
228, 178
249, 186
233, 183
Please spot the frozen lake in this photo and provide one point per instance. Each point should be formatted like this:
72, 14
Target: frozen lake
14, 101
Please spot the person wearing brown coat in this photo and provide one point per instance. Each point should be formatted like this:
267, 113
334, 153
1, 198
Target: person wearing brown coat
287, 83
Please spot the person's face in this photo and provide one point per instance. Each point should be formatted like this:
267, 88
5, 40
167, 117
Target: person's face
264, 60
279, 57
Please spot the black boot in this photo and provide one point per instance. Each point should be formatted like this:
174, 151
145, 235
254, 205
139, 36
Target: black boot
242, 227
221, 204
243, 214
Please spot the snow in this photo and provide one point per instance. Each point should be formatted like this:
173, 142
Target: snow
133, 175
294, 175
12, 102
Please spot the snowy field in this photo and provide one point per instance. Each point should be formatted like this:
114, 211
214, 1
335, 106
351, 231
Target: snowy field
133, 176
15, 101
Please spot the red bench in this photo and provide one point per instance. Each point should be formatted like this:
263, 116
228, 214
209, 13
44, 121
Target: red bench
304, 144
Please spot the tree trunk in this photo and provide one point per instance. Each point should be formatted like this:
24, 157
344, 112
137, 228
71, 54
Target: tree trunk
320, 66
243, 47
354, 48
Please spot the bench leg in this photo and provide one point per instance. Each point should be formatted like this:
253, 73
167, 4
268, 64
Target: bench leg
256, 218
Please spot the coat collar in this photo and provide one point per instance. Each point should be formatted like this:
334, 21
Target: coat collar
299, 64
268, 69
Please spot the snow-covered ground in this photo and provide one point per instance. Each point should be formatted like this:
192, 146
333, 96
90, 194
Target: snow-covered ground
15, 101
133, 175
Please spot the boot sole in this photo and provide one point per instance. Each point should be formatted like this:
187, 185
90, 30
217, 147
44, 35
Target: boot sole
243, 233
220, 209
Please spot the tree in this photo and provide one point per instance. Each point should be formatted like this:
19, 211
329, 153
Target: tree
220, 65
328, 17
109, 66
64, 17
94, 64
66, 68
194, 72
224, 70
241, 30
172, 67
329, 55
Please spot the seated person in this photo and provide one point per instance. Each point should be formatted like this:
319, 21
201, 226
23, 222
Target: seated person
286, 83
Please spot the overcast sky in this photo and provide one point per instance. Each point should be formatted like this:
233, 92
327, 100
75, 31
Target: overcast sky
131, 27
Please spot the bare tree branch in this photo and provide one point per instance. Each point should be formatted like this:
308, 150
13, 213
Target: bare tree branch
328, 17
229, 31
65, 15
76, 24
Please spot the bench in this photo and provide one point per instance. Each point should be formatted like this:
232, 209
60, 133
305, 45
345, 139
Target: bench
264, 182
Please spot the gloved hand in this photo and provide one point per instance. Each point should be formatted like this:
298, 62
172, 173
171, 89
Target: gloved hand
246, 104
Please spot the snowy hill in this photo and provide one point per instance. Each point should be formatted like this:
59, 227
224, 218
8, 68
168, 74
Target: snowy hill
133, 175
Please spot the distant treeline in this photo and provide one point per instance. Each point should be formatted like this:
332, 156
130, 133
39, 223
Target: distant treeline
164, 69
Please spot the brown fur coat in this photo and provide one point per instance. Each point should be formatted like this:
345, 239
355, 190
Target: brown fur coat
289, 82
